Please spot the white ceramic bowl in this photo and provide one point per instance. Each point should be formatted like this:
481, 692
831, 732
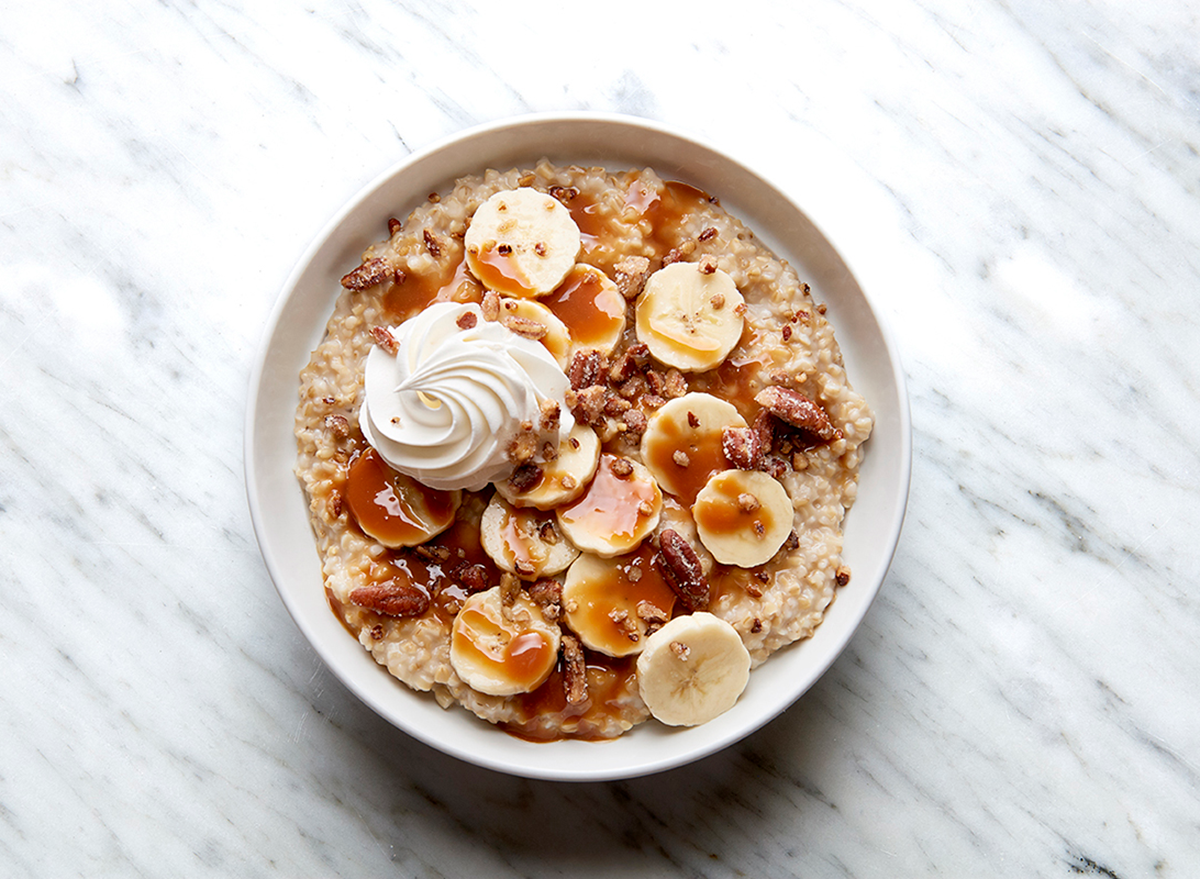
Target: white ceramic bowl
279, 509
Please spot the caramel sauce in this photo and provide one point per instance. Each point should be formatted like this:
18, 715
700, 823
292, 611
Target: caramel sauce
722, 515
547, 716
393, 508
451, 283
667, 212
523, 661
705, 457
591, 227
516, 529
738, 378
590, 305
611, 505
623, 583
727, 579
500, 272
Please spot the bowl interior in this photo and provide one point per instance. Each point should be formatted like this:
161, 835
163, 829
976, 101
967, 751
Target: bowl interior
279, 509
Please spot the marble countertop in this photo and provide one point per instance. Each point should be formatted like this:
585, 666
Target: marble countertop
1016, 184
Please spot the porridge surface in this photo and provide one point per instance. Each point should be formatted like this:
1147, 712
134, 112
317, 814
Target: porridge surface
786, 343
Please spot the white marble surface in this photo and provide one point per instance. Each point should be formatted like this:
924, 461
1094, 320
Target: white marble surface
1017, 185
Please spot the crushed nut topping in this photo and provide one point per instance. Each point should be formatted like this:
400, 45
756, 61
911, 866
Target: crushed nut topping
710, 232
527, 327
742, 447
490, 305
748, 503
717, 301
393, 225
842, 577
338, 426
586, 369
525, 477
708, 265
622, 468
681, 650
681, 459
432, 244
467, 320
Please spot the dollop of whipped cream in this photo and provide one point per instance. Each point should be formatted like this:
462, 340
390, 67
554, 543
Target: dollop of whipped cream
446, 408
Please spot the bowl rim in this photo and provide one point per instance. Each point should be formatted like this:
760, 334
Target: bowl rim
895, 516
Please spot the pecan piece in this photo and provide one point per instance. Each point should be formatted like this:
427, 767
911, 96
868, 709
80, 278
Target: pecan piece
370, 273
525, 326
842, 577
338, 426
683, 572
431, 243
392, 599
384, 339
797, 410
631, 273
474, 578
547, 594
574, 670
742, 446
586, 369
587, 405
525, 477
652, 616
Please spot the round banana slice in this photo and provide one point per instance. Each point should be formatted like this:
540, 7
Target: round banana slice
592, 308
616, 512
691, 319
394, 508
743, 517
692, 669
502, 650
612, 604
524, 542
532, 319
560, 481
682, 443
521, 243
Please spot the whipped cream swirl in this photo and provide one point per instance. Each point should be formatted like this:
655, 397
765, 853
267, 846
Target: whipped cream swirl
447, 406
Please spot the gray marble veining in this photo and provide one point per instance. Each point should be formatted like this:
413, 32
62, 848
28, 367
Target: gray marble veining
1016, 185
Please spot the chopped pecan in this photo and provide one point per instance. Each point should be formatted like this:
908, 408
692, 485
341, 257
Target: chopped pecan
467, 320
653, 401
510, 588
384, 339
842, 577
748, 503
335, 505
615, 405
433, 552
525, 477
622, 468
339, 426
551, 416
587, 405
372, 272
631, 273
524, 326
708, 233
742, 446
774, 465
764, 426
717, 301
633, 387
489, 306
635, 422
683, 572
792, 542
708, 265
377, 632
474, 578
756, 626
625, 367
547, 594
522, 447
587, 369
393, 225
797, 410
574, 670
392, 599
625, 624
547, 533
563, 193
652, 617
681, 459
432, 244
681, 650
676, 384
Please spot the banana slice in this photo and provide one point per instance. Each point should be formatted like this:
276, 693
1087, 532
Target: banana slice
743, 517
524, 542
532, 319
692, 669
521, 243
616, 512
612, 604
502, 650
560, 481
691, 319
394, 508
592, 308
682, 443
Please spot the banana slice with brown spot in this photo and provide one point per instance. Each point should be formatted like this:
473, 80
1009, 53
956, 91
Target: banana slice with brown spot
521, 243
503, 648
743, 517
616, 512
525, 542
690, 315
614, 604
682, 442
